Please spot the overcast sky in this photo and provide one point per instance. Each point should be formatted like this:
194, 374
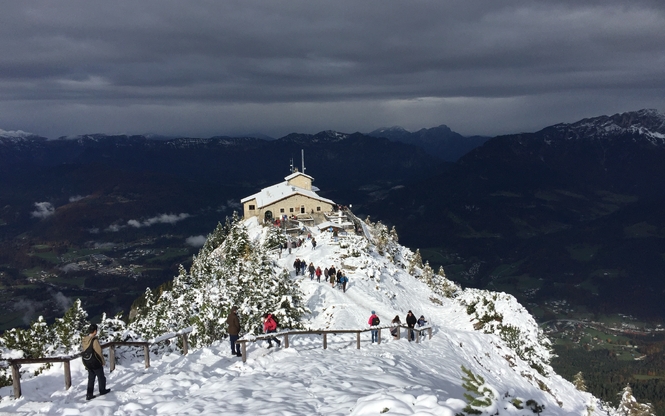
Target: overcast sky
203, 68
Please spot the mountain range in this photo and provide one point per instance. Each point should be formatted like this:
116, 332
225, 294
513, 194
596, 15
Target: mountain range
573, 211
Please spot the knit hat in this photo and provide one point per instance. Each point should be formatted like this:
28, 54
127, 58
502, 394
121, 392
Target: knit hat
373, 312
234, 309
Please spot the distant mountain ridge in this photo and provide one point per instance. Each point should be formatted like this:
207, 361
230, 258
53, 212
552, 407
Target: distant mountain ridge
524, 204
441, 141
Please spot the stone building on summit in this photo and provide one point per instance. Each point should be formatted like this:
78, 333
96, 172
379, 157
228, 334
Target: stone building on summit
294, 197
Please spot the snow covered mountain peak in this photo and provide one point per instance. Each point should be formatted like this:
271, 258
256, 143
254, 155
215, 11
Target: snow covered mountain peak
484, 340
647, 123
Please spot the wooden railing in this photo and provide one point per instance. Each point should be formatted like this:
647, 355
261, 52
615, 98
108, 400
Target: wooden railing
243, 342
183, 334
16, 363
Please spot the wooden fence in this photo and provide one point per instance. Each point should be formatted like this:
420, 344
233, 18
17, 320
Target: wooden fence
324, 333
183, 334
16, 363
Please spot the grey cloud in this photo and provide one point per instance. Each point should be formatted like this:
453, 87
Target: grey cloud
159, 219
209, 67
43, 210
196, 240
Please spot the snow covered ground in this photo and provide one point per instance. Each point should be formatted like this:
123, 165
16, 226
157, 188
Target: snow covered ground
396, 377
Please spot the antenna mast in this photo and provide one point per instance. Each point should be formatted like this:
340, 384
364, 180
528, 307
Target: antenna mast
302, 155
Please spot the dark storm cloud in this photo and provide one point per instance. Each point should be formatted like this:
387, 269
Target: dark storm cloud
202, 68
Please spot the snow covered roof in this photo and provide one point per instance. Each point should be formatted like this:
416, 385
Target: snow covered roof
274, 193
296, 174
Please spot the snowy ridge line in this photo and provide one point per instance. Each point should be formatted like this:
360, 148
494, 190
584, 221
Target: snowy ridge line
15, 363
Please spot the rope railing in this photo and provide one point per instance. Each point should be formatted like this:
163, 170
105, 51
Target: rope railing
324, 332
15, 363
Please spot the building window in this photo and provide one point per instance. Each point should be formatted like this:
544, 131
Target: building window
281, 210
251, 207
290, 209
318, 208
302, 209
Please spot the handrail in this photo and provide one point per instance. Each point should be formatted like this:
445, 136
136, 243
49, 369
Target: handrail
253, 338
15, 363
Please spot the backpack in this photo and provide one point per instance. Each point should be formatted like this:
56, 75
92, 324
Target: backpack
90, 359
274, 318
376, 321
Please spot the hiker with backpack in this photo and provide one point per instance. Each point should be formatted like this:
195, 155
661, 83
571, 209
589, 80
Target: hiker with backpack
93, 360
234, 331
318, 274
270, 327
296, 265
411, 323
374, 321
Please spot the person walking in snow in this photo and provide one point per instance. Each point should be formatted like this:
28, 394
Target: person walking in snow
318, 274
396, 322
325, 274
411, 323
339, 279
234, 331
296, 265
313, 243
270, 327
303, 267
311, 270
374, 321
422, 322
344, 281
94, 365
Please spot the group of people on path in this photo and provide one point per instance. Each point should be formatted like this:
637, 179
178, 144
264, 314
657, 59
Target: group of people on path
332, 275
411, 322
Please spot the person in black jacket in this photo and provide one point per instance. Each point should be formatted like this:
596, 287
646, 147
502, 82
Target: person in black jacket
411, 323
95, 366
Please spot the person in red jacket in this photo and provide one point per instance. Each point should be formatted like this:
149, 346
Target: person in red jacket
318, 274
374, 321
270, 327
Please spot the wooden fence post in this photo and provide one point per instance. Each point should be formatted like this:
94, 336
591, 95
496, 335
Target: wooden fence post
286, 340
185, 344
68, 375
111, 358
16, 377
418, 336
430, 332
244, 351
379, 338
146, 351
325, 340
358, 340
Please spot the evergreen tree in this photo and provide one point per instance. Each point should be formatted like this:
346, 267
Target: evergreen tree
237, 272
112, 329
479, 395
416, 262
428, 275
70, 329
578, 382
275, 238
629, 406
